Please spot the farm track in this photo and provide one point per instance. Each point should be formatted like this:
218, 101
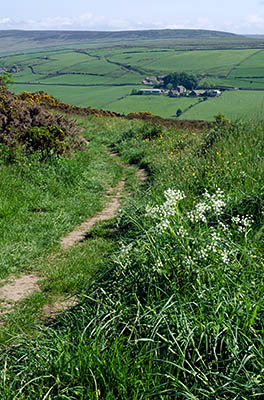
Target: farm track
18, 288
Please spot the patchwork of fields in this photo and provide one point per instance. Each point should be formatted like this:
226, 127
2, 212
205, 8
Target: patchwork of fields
104, 76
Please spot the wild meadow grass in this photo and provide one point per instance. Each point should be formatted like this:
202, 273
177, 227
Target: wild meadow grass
177, 310
40, 202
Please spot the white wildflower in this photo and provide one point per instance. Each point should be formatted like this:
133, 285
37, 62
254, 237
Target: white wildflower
202, 254
243, 222
174, 195
225, 257
162, 226
125, 249
158, 266
182, 232
213, 204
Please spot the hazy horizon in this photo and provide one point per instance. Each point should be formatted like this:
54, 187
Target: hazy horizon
240, 17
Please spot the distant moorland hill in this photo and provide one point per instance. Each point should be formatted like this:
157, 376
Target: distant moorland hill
103, 35
33, 39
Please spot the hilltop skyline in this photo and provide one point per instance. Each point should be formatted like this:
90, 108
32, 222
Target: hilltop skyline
239, 17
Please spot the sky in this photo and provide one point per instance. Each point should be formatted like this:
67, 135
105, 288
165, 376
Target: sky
237, 16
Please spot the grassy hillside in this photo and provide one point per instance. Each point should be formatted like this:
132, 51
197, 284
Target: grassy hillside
170, 292
238, 104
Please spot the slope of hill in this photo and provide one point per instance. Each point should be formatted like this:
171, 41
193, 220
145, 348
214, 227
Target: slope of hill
34, 39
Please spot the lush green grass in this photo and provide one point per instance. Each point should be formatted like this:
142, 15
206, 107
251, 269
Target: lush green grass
234, 104
80, 96
72, 79
241, 83
27, 76
219, 62
92, 67
251, 67
178, 309
158, 105
59, 62
39, 204
214, 61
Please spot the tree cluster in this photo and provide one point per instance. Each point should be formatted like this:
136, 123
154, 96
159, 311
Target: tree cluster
189, 81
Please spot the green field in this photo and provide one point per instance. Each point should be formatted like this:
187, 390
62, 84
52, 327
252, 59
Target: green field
102, 73
205, 62
99, 96
234, 104
158, 105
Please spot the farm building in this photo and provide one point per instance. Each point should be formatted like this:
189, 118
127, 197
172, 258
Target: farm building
214, 93
149, 81
181, 89
205, 93
149, 91
198, 93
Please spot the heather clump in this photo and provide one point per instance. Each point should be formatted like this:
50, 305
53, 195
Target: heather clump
28, 127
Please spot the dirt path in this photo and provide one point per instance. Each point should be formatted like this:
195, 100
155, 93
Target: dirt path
18, 288
107, 213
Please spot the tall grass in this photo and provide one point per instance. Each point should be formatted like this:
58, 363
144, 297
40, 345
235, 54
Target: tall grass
40, 201
178, 311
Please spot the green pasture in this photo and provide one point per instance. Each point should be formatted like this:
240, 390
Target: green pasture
27, 76
58, 62
237, 104
158, 105
101, 69
80, 96
24, 59
93, 66
73, 79
78, 79
145, 59
251, 67
241, 83
213, 61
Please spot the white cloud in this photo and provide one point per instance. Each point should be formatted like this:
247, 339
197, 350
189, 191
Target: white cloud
254, 19
5, 20
86, 21
89, 21
252, 23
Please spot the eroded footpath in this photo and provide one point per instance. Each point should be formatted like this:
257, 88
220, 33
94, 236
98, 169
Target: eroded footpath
18, 288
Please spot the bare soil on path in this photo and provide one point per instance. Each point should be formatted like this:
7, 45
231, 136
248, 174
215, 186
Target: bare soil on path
18, 288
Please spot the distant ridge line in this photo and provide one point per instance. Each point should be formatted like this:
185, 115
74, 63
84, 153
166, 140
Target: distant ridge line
41, 35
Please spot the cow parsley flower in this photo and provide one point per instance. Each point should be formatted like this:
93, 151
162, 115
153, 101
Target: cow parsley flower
213, 204
243, 222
